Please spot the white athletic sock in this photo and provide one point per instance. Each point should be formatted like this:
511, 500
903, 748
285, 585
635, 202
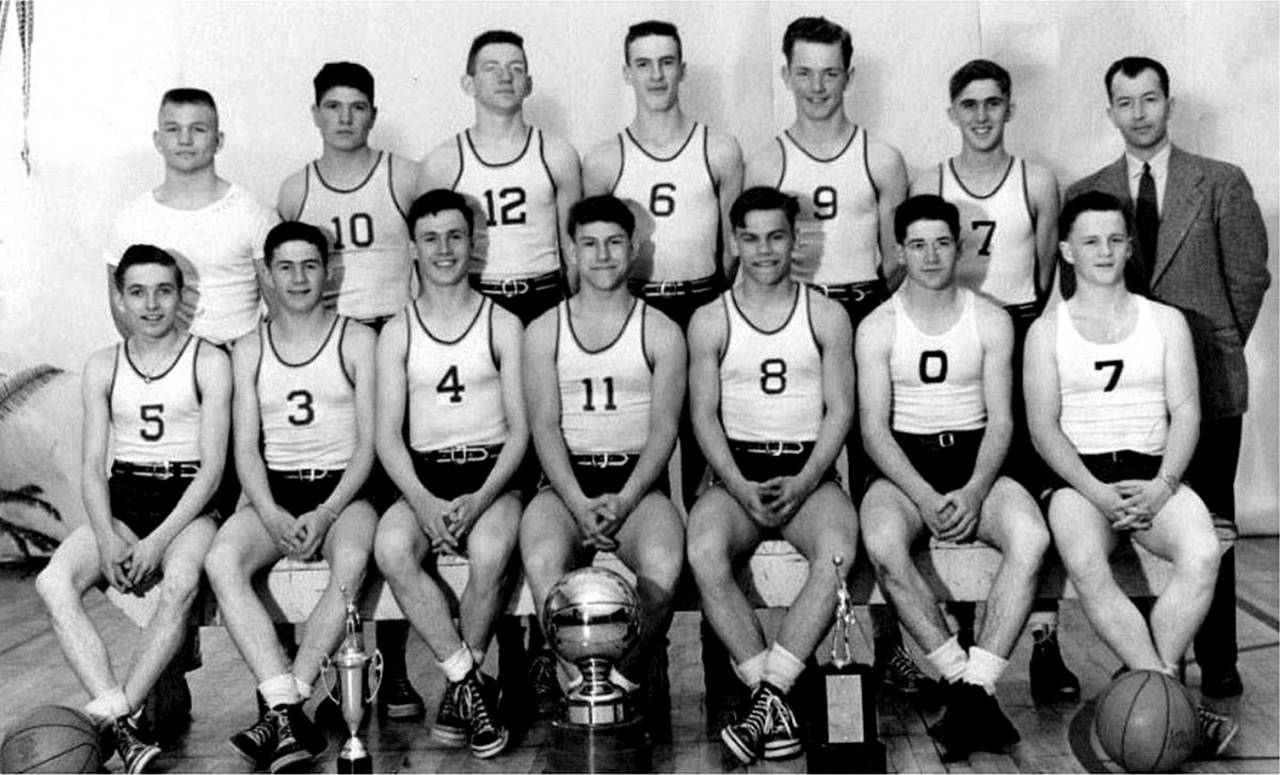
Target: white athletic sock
782, 668
621, 681
279, 690
477, 655
984, 669
302, 688
949, 660
109, 706
458, 664
751, 670
1042, 620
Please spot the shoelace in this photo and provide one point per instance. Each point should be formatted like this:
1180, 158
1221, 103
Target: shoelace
902, 664
782, 715
757, 719
260, 733
479, 710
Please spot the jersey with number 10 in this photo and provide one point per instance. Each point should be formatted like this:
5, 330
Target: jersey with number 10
155, 419
998, 233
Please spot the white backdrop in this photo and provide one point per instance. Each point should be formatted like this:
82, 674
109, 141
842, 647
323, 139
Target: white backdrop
99, 69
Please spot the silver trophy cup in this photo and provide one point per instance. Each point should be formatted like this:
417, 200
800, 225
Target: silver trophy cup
353, 668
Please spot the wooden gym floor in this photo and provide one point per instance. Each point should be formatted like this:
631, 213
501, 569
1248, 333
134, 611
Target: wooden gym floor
1055, 739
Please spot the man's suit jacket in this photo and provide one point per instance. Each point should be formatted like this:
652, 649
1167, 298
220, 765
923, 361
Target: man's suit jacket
1211, 263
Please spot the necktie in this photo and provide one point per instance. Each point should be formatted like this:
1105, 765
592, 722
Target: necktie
1148, 225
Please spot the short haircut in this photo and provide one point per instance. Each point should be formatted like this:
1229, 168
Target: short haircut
1089, 202
137, 255
436, 201
350, 74
817, 29
189, 96
980, 70
294, 231
487, 37
925, 207
646, 29
1132, 67
762, 198
604, 208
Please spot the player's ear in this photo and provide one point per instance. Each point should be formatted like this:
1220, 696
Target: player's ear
951, 116
221, 140
784, 73
1065, 249
848, 81
315, 115
468, 84
373, 116
1008, 111
528, 85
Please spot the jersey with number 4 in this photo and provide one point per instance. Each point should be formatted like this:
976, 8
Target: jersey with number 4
998, 233
678, 204
517, 209
455, 389
937, 378
155, 419
604, 393
308, 408
838, 227
771, 381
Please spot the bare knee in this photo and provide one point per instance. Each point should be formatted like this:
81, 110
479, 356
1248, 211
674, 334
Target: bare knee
888, 547
1199, 560
221, 564
54, 587
178, 589
1028, 541
708, 556
348, 566
394, 555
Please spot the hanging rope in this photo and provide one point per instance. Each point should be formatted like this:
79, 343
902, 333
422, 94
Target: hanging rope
25, 10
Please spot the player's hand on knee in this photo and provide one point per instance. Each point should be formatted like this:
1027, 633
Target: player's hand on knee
309, 532
961, 509
750, 495
280, 526
144, 561
460, 516
1108, 499
783, 496
1145, 496
113, 555
936, 512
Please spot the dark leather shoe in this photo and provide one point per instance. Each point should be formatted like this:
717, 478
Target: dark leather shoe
1051, 681
1220, 685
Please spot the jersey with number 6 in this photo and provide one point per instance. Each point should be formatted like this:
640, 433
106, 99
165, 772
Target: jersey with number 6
604, 393
838, 227
156, 419
771, 381
308, 409
937, 378
368, 238
455, 390
678, 206
998, 233
517, 231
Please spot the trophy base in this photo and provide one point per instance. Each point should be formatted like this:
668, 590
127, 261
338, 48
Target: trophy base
360, 766
843, 734
603, 748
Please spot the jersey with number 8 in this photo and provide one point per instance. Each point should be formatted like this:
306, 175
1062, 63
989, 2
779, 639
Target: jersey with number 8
156, 419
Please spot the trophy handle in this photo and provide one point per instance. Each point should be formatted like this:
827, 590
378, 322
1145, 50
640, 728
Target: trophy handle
375, 675
330, 683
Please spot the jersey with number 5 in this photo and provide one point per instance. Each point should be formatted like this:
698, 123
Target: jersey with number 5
155, 419
771, 381
455, 389
308, 408
937, 378
998, 233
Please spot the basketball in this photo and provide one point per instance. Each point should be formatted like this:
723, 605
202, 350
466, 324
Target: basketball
1146, 722
51, 738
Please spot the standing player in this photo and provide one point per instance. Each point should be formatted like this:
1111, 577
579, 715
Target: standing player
452, 361
304, 445
773, 360
1008, 225
520, 180
934, 380
358, 196
1114, 407
604, 377
155, 436
678, 177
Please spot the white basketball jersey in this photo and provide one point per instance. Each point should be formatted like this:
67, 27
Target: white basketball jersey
999, 235
605, 393
156, 419
1113, 395
308, 409
937, 378
838, 226
455, 390
368, 235
771, 381
517, 231
677, 205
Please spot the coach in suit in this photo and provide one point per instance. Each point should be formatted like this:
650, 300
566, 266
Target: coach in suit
1202, 247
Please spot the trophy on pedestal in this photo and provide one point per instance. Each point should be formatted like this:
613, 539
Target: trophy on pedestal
352, 665
591, 618
843, 736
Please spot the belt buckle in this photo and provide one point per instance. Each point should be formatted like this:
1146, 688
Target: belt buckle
773, 448
456, 454
512, 286
946, 439
607, 459
163, 471
668, 288
858, 294
474, 454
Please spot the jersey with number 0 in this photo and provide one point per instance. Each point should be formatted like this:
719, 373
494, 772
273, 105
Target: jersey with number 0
156, 419
604, 393
771, 381
455, 390
937, 378
838, 227
679, 205
1113, 395
308, 409
999, 234
517, 228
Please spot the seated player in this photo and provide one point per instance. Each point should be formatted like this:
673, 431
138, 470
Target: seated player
773, 359
1114, 408
453, 359
604, 377
934, 381
156, 413
304, 445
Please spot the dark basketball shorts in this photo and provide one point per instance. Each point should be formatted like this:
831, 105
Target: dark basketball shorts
1111, 467
298, 492
143, 500
456, 471
944, 460
858, 299
678, 300
606, 472
525, 297
760, 461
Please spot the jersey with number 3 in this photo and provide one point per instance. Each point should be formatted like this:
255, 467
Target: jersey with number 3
998, 233
679, 207
455, 388
604, 393
937, 378
517, 228
308, 408
155, 419
771, 381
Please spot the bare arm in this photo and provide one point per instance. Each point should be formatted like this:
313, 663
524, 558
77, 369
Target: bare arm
404, 182
725, 157
1182, 393
834, 334
542, 405
439, 168
247, 432
600, 167
293, 192
358, 358
392, 398
889, 175
665, 349
566, 173
95, 388
764, 166
1042, 190
507, 333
